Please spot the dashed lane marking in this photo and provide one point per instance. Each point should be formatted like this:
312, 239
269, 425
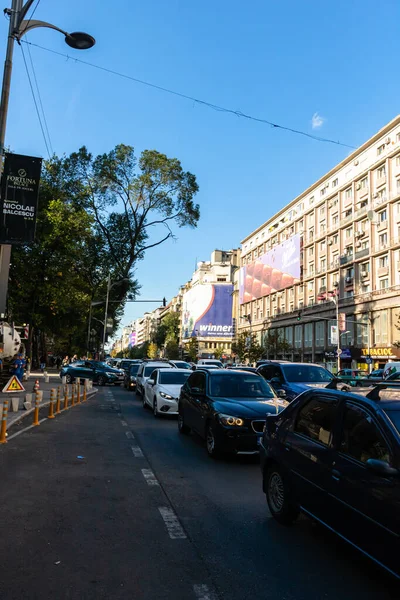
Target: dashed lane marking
149, 476
137, 452
129, 435
174, 528
203, 592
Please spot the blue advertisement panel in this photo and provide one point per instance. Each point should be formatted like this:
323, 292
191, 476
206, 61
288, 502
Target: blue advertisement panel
207, 311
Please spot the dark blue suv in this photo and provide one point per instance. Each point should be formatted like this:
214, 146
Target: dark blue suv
293, 377
335, 456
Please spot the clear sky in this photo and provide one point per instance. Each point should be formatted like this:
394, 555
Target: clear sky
283, 61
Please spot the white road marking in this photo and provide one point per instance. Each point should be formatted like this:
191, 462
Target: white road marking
129, 435
203, 592
174, 528
124, 424
23, 430
137, 452
150, 477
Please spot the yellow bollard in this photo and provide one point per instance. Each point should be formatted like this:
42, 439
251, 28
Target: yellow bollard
73, 394
58, 403
51, 405
3, 431
66, 396
78, 391
36, 411
84, 390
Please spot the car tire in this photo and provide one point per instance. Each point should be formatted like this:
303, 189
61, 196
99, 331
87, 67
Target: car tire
279, 498
213, 447
69, 378
101, 380
182, 427
155, 409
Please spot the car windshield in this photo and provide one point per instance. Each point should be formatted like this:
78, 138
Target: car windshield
173, 378
102, 365
182, 365
240, 385
134, 369
394, 376
394, 416
306, 374
148, 370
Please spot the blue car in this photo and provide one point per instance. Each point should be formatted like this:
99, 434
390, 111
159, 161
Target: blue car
295, 378
95, 370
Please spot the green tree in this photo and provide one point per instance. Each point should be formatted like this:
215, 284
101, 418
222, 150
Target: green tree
246, 347
275, 344
218, 352
192, 348
172, 350
152, 350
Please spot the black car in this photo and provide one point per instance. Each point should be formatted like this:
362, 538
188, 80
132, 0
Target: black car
335, 456
227, 408
130, 377
295, 377
99, 372
125, 363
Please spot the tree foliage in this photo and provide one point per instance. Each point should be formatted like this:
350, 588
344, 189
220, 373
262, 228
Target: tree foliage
246, 347
192, 348
172, 350
152, 350
275, 344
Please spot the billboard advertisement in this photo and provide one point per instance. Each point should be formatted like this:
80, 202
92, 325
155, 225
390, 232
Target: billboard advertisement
132, 339
207, 311
275, 270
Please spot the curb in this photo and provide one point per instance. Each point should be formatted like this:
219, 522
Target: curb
18, 421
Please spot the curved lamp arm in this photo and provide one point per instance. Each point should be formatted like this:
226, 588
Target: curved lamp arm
26, 26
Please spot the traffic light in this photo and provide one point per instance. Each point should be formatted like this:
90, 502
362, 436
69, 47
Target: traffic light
164, 302
233, 327
299, 316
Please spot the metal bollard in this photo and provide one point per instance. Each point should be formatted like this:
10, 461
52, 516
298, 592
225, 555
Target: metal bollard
78, 391
85, 381
58, 403
66, 396
73, 394
51, 405
3, 431
36, 411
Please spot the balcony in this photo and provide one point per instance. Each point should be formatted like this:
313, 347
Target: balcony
380, 181
361, 253
382, 225
360, 212
346, 258
347, 220
383, 271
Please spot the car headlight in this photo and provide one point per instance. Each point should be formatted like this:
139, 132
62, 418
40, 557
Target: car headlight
231, 421
166, 396
133, 379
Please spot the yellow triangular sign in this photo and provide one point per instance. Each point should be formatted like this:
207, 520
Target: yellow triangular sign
13, 385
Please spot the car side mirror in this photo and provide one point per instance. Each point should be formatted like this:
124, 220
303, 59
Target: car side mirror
193, 367
281, 394
151, 381
381, 467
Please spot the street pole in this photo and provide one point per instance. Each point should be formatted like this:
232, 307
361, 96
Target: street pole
88, 333
105, 315
338, 336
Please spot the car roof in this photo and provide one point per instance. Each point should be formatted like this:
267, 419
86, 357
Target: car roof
392, 400
227, 372
287, 362
166, 370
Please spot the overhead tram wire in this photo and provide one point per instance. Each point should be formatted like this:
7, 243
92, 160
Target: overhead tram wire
35, 102
215, 107
40, 100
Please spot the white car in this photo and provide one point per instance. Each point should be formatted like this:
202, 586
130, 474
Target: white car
145, 370
162, 389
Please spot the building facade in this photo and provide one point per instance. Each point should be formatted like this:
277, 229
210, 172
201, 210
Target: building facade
347, 226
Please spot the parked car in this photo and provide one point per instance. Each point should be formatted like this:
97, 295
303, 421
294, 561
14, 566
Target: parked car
125, 363
98, 372
294, 378
205, 367
335, 457
181, 364
130, 377
391, 368
145, 370
394, 376
352, 376
227, 408
248, 369
376, 374
162, 389
202, 362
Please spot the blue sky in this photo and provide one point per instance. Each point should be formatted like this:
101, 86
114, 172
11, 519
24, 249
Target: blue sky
282, 61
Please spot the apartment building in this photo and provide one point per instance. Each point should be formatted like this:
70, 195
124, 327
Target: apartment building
346, 228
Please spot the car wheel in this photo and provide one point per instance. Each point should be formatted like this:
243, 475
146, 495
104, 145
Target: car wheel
278, 495
155, 409
101, 380
68, 378
212, 445
182, 428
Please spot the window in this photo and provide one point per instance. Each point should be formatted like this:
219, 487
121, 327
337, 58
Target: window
311, 200
364, 267
323, 265
335, 182
398, 137
289, 335
297, 335
322, 282
335, 219
322, 246
382, 194
398, 187
382, 216
398, 161
316, 419
308, 336
322, 192
383, 261
335, 239
348, 193
383, 284
349, 233
348, 212
350, 272
198, 380
364, 183
380, 149
311, 251
311, 269
221, 278
383, 238
365, 288
319, 334
311, 235
361, 438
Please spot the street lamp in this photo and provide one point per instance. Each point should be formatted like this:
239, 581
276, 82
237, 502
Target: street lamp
18, 27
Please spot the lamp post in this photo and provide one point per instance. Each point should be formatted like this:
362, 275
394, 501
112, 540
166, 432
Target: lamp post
18, 27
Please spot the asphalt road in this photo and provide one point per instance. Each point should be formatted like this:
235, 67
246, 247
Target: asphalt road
106, 501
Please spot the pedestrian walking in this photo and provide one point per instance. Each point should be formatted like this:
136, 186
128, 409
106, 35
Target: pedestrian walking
58, 362
74, 358
65, 361
19, 366
42, 363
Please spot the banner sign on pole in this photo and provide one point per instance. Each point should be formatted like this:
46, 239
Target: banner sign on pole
342, 321
334, 335
19, 198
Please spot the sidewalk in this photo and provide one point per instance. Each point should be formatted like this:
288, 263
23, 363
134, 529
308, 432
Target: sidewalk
54, 382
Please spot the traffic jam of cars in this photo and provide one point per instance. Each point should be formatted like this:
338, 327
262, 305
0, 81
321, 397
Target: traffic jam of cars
329, 445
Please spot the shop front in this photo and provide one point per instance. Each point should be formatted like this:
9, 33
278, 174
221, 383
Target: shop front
379, 357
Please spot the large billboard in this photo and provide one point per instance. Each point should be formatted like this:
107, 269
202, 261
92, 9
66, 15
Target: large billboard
275, 270
207, 311
132, 339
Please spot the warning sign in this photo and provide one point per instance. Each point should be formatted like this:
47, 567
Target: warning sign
13, 385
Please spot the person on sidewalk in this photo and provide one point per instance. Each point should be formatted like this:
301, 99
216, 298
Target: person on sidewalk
58, 362
65, 361
19, 366
42, 363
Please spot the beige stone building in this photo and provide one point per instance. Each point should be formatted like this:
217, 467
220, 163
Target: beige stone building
348, 223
